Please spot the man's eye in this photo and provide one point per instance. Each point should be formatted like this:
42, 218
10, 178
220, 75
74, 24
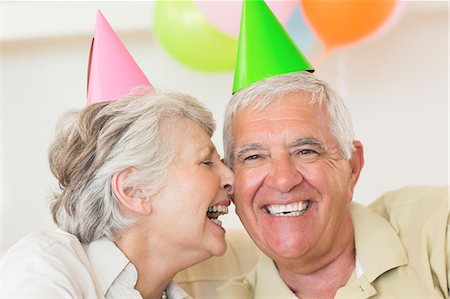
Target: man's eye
252, 158
307, 152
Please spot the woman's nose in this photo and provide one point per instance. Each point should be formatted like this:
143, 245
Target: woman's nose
227, 179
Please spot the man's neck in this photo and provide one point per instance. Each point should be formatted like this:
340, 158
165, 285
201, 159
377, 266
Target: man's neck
321, 277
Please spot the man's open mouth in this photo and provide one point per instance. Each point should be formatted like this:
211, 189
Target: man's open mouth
289, 210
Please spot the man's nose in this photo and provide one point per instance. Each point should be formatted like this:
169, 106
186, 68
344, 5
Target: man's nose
283, 175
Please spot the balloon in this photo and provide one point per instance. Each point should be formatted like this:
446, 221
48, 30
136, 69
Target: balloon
340, 22
299, 31
225, 15
186, 34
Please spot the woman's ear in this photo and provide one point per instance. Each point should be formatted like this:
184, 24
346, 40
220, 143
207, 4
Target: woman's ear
132, 198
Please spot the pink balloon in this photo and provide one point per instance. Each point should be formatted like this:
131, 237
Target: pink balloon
226, 15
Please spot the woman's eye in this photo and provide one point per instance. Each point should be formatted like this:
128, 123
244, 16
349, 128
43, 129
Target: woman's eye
207, 162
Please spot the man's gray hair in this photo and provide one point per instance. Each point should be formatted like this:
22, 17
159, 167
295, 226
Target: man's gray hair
261, 94
104, 138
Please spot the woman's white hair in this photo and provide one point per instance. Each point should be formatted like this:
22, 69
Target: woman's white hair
261, 94
104, 138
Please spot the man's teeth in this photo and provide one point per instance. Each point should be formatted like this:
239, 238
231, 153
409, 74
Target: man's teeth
215, 211
289, 210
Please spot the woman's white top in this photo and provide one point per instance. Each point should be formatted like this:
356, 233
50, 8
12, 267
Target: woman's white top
56, 265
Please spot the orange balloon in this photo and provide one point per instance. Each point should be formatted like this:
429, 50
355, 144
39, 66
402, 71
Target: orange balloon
339, 22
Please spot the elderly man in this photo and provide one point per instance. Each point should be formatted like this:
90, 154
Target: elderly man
289, 140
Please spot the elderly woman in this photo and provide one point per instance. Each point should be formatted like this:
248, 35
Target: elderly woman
140, 189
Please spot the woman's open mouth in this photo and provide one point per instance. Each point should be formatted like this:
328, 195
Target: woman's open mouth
215, 211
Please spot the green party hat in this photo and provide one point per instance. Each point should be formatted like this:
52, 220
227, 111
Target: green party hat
265, 48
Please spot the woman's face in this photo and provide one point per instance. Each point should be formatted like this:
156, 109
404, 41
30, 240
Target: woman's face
195, 192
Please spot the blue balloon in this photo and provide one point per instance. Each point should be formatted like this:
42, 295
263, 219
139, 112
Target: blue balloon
299, 30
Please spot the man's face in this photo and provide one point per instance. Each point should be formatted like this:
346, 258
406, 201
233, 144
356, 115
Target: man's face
292, 185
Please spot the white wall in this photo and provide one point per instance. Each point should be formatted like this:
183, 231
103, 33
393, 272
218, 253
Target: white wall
396, 87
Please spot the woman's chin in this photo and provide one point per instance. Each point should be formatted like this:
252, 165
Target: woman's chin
220, 249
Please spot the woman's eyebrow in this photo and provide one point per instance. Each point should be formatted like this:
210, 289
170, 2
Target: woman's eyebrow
207, 150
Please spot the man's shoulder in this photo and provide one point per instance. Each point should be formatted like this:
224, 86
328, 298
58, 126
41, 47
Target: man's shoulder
417, 203
419, 219
412, 195
419, 215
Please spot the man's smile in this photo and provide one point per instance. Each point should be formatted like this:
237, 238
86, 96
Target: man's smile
288, 210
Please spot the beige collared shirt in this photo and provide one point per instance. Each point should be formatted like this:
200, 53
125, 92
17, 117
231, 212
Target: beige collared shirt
402, 251
57, 265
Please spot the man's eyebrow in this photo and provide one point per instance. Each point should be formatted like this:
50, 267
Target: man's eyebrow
309, 141
246, 148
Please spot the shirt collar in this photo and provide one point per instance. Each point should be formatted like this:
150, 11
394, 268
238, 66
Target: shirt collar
378, 247
268, 272
174, 291
107, 261
378, 250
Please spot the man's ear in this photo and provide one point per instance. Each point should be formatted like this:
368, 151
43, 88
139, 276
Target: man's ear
356, 164
132, 198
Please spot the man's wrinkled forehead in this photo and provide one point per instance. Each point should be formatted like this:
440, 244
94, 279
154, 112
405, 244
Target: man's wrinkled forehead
271, 106
261, 102
286, 114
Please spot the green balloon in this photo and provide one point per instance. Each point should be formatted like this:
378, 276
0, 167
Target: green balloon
186, 34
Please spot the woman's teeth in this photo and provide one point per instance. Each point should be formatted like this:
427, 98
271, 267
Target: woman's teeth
215, 211
289, 210
217, 221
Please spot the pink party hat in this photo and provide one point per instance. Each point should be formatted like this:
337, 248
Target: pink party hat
112, 72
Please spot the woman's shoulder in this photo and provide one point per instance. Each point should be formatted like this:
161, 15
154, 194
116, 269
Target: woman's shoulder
46, 242
46, 264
